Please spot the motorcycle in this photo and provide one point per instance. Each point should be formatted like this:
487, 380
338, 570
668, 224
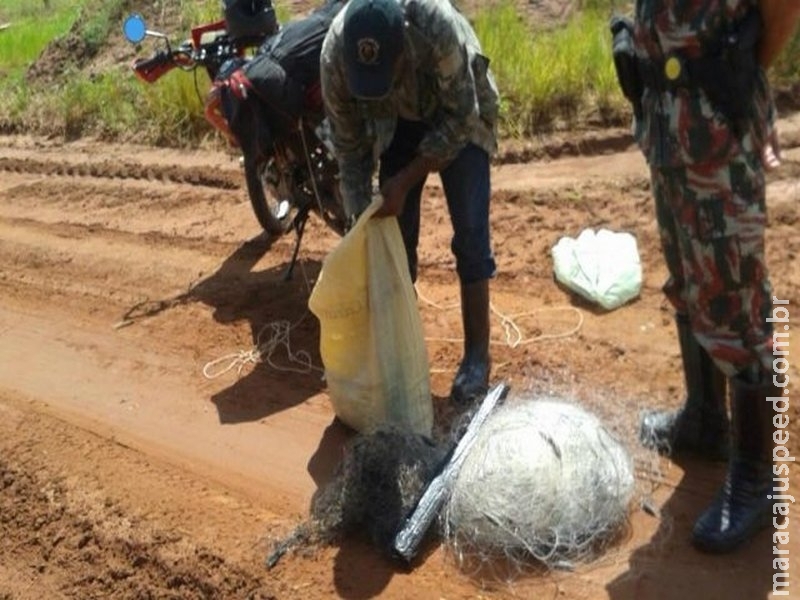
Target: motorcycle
267, 103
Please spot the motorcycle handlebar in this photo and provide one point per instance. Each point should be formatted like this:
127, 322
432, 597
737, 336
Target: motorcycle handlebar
187, 57
151, 69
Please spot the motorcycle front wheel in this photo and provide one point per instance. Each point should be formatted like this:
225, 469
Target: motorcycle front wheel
274, 215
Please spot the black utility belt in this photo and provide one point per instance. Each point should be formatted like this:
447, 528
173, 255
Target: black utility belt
676, 71
727, 81
726, 71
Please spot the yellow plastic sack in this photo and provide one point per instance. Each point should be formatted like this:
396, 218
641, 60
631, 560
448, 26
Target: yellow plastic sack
371, 338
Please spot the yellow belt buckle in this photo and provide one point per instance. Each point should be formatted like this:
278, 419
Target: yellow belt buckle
672, 68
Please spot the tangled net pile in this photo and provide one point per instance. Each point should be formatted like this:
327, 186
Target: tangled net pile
377, 484
543, 480
545, 484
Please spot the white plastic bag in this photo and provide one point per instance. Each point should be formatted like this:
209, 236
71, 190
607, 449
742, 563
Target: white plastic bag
601, 266
371, 338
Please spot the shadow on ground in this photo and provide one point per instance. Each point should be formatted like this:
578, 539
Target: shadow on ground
669, 568
365, 563
287, 370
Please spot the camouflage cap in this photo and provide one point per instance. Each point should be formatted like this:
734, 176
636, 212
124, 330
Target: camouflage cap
373, 40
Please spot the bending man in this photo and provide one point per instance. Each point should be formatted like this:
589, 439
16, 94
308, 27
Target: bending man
405, 85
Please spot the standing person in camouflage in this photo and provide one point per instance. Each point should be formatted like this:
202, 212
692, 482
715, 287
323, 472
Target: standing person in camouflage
405, 84
704, 120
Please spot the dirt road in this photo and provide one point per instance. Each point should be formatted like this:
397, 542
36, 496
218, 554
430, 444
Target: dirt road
144, 454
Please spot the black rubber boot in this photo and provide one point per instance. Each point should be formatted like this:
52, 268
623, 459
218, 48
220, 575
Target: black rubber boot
742, 507
701, 426
472, 379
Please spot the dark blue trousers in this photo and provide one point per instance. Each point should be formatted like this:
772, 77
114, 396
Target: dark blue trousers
467, 190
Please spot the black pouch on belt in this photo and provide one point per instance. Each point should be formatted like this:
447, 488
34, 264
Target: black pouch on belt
625, 62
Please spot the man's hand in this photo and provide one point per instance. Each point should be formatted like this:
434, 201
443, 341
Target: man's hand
395, 189
771, 155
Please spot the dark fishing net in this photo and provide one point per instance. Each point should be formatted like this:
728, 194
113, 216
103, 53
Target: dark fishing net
374, 488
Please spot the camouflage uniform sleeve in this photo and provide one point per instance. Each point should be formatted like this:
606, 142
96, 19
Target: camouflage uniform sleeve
458, 106
350, 138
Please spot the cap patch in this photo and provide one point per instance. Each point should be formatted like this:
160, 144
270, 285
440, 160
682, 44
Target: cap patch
368, 51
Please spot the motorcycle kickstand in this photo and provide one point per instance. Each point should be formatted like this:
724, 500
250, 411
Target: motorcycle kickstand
299, 228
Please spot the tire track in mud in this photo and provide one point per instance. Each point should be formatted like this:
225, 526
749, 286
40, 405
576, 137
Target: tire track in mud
178, 262
79, 238
178, 200
175, 207
56, 259
114, 233
105, 251
197, 176
196, 297
170, 210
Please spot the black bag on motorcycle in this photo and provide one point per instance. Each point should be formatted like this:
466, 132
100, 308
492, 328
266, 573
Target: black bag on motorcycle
258, 101
280, 95
249, 20
277, 82
298, 45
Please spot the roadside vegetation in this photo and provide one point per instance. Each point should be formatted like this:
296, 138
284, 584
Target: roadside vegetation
564, 75
555, 78
27, 34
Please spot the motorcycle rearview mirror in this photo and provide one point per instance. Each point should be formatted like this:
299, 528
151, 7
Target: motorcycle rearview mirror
134, 28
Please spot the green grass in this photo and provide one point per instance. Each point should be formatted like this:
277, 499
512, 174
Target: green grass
173, 110
194, 12
112, 104
28, 32
553, 76
548, 79
786, 70
206, 11
99, 19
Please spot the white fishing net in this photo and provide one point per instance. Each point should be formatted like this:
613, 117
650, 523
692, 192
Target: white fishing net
544, 481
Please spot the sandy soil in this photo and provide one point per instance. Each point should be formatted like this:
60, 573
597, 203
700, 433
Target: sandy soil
134, 465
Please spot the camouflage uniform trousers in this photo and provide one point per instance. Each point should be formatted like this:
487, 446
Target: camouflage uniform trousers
711, 220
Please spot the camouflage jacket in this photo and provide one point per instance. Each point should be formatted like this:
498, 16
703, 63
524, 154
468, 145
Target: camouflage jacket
444, 81
682, 126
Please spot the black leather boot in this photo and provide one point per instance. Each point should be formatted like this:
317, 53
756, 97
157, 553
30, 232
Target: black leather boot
472, 379
701, 426
742, 507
